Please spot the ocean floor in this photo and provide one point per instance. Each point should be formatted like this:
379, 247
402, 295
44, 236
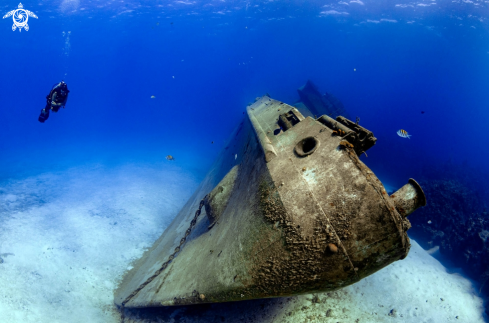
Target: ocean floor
66, 239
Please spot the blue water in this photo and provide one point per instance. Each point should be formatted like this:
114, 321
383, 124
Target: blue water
204, 61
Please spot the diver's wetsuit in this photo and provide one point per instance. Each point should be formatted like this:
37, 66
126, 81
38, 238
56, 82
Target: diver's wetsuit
56, 99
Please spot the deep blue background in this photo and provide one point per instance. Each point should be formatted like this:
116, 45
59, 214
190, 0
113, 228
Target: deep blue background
224, 54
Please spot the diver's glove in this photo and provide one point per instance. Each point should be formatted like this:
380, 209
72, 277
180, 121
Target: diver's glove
43, 116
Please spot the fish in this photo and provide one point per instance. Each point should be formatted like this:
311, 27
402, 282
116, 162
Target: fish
429, 222
170, 157
153, 97
404, 134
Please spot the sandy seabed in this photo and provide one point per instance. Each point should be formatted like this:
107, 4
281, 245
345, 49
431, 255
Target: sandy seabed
66, 239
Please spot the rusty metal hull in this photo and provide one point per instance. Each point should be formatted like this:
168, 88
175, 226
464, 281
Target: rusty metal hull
284, 221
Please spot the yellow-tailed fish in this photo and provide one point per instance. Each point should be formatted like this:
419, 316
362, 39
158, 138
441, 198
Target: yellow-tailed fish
404, 134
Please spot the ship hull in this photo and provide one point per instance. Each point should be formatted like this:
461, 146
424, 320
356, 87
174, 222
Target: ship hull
279, 220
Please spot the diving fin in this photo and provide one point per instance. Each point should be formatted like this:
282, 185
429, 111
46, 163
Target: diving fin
43, 116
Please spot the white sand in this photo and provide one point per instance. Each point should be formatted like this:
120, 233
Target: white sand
73, 234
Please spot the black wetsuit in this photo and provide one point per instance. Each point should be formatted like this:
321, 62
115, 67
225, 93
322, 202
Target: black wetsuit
56, 99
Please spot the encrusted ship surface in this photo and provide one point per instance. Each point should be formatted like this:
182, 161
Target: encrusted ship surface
290, 209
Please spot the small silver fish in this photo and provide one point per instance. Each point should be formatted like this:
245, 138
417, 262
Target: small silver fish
429, 222
403, 133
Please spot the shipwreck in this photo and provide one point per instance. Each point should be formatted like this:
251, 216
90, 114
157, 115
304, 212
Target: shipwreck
287, 208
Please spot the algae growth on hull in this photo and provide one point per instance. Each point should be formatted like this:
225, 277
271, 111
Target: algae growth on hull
277, 221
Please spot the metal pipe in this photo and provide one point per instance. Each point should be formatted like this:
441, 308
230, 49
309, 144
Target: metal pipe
408, 198
333, 124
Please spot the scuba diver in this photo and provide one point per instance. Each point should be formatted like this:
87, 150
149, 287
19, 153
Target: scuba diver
56, 99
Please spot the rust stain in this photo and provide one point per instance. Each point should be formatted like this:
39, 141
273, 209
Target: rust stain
296, 264
377, 185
